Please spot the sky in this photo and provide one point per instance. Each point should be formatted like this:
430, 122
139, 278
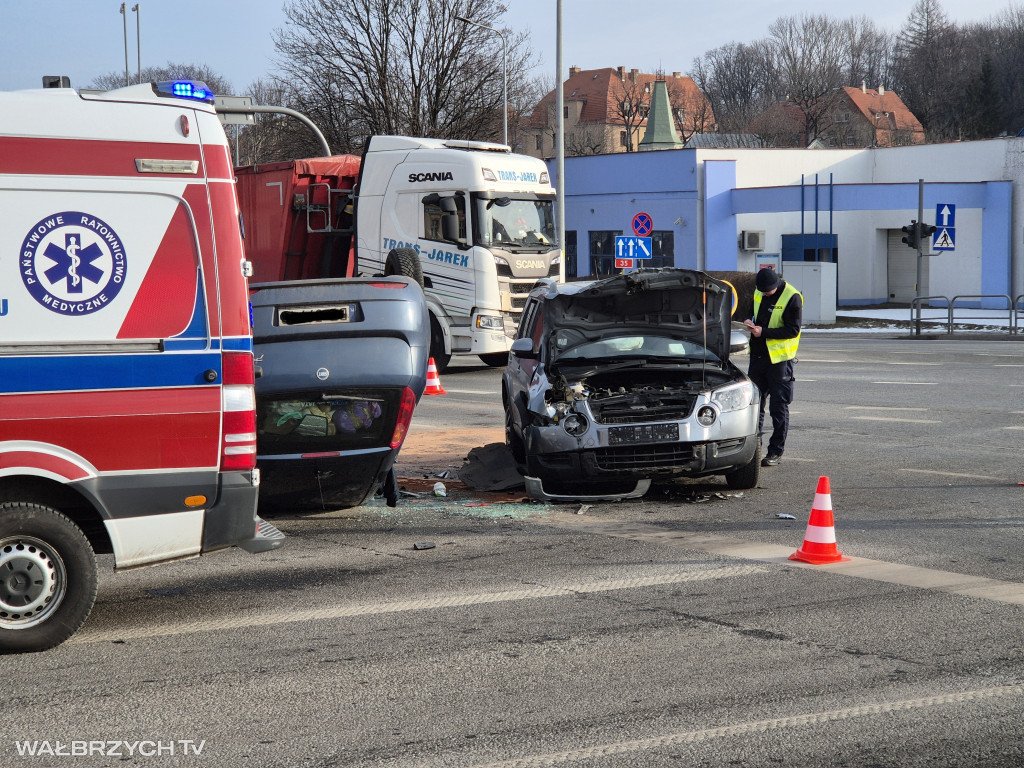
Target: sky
86, 38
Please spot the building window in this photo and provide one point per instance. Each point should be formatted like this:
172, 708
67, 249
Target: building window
565, 112
644, 110
663, 246
622, 139
540, 141
850, 141
602, 252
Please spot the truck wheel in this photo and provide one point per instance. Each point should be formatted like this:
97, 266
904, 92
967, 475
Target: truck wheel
47, 577
495, 359
746, 476
404, 262
441, 358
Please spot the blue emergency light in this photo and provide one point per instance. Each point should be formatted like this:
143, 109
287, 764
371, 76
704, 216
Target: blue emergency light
184, 89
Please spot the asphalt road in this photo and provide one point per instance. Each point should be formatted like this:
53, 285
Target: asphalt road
669, 631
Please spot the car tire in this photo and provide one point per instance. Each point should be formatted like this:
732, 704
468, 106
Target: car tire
47, 577
513, 440
404, 262
746, 476
437, 353
495, 359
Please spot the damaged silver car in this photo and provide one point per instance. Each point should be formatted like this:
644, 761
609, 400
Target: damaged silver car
614, 383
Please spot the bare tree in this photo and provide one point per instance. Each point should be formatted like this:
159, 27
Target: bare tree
171, 71
583, 140
364, 67
631, 105
739, 80
928, 60
809, 54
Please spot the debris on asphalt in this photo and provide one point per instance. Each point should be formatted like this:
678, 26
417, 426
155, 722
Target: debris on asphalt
445, 475
782, 516
440, 490
490, 467
409, 494
424, 545
583, 508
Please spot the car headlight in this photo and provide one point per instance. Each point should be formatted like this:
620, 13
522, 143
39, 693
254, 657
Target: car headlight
574, 424
734, 398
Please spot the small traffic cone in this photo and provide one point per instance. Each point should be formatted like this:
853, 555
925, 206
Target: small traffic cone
820, 540
433, 380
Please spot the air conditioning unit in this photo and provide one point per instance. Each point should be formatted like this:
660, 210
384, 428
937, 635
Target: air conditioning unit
752, 240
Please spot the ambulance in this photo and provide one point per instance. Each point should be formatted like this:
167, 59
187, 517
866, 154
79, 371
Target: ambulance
127, 406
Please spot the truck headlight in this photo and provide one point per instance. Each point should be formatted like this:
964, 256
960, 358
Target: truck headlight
501, 261
490, 323
734, 398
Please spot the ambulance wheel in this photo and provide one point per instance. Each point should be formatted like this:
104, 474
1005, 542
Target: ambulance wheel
495, 359
441, 358
404, 262
47, 577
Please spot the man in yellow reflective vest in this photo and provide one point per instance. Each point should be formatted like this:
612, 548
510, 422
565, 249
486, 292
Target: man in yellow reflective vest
774, 337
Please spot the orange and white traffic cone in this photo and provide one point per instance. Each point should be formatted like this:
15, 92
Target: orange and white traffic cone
433, 380
819, 546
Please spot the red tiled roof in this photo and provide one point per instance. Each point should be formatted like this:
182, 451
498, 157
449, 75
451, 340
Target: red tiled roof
879, 109
601, 89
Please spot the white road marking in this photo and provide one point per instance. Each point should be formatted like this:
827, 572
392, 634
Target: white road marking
271, 617
1008, 365
881, 408
1013, 427
951, 474
890, 418
909, 383
473, 391
758, 727
876, 570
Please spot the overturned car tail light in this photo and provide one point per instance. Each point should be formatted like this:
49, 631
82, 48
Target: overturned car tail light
405, 409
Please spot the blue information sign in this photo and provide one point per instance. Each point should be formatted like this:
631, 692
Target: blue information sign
631, 247
944, 238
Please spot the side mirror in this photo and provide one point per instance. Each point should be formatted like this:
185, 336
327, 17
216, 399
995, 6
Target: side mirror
738, 342
523, 349
450, 227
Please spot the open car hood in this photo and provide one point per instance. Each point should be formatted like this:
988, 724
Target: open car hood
679, 303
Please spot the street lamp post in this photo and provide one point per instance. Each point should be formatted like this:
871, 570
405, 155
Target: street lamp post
138, 42
124, 17
504, 71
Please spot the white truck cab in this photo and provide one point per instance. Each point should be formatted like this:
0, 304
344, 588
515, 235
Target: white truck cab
480, 222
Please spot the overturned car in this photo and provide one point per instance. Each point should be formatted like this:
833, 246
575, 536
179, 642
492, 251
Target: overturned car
614, 383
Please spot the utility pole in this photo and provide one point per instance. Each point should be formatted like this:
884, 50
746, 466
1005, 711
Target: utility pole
560, 133
138, 42
124, 17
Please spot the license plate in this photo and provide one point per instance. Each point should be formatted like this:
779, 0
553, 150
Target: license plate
643, 433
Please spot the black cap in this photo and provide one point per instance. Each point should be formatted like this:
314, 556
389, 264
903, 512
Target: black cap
767, 279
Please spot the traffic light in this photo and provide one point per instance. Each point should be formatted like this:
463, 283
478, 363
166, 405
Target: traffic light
927, 230
910, 237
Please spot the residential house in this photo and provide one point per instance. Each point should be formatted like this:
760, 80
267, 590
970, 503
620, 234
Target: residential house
606, 110
849, 117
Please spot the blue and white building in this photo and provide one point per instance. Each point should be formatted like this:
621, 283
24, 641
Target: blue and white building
730, 209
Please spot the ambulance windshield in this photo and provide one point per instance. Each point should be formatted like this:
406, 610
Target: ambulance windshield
518, 224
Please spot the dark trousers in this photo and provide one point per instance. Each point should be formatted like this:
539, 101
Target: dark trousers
776, 385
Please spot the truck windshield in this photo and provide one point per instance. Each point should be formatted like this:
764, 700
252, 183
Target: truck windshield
515, 223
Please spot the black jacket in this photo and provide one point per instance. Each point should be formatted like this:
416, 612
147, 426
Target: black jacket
792, 316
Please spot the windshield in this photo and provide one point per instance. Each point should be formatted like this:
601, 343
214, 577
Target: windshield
645, 348
515, 224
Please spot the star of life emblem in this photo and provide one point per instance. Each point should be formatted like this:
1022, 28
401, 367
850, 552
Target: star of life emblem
73, 263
